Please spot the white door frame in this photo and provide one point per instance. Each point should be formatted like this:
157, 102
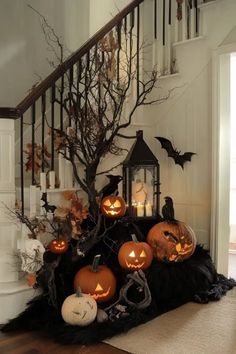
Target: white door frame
220, 229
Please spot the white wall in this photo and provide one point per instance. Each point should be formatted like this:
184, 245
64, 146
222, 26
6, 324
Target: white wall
23, 51
186, 119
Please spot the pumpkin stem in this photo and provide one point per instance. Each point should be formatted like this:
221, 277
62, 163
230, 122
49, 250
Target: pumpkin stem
79, 292
95, 264
134, 238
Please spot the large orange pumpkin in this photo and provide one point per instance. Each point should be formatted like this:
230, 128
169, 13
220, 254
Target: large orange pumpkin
134, 255
113, 207
96, 280
172, 241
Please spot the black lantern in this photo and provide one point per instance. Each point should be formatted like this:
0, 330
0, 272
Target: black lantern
141, 186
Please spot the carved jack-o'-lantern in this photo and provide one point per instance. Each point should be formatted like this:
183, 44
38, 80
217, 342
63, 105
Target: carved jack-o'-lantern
113, 207
134, 255
58, 246
172, 241
79, 309
96, 280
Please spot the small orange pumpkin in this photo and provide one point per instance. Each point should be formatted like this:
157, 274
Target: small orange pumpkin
96, 280
134, 255
58, 246
113, 206
172, 241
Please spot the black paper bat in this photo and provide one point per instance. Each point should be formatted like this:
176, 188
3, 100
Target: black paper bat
175, 154
46, 206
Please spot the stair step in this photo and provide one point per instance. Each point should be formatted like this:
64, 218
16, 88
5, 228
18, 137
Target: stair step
206, 4
13, 298
169, 76
186, 41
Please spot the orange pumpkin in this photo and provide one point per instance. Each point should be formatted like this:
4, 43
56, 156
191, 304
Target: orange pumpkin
172, 241
134, 255
113, 206
58, 246
96, 280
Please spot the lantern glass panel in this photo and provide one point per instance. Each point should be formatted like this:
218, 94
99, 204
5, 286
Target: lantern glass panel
143, 193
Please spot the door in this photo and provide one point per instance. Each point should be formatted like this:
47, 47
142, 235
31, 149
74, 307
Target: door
221, 147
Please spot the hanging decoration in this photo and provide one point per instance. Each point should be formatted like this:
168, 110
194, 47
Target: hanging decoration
179, 159
96, 280
172, 242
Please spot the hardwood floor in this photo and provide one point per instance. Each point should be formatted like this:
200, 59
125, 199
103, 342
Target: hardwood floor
38, 343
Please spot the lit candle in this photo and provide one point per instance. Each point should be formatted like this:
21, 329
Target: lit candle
43, 183
33, 201
52, 179
148, 209
140, 210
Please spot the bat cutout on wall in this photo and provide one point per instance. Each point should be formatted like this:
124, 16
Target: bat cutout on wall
179, 159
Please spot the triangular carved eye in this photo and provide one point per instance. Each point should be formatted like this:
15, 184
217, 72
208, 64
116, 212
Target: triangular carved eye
143, 254
132, 254
98, 287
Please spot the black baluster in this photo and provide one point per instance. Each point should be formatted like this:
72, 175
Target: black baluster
155, 19
61, 102
52, 125
170, 12
132, 20
22, 164
79, 75
43, 107
71, 76
138, 38
125, 24
164, 23
118, 29
33, 111
197, 17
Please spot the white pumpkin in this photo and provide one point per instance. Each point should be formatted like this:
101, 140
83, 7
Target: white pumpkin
79, 309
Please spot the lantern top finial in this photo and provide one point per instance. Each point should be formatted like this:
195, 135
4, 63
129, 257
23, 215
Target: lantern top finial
140, 153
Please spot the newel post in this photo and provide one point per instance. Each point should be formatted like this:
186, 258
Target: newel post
8, 232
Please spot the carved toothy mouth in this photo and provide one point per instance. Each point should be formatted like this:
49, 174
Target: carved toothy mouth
99, 296
131, 265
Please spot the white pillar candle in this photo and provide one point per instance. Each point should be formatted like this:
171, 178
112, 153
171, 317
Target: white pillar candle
52, 179
68, 175
140, 210
148, 209
61, 165
33, 201
43, 183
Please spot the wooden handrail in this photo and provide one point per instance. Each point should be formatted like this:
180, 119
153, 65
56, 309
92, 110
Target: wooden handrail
20, 109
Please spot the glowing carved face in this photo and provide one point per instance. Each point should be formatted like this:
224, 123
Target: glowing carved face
99, 293
58, 246
172, 242
135, 255
101, 285
113, 207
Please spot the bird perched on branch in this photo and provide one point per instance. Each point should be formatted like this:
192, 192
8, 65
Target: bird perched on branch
168, 212
111, 187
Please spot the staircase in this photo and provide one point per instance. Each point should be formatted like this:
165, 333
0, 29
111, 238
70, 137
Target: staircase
176, 31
